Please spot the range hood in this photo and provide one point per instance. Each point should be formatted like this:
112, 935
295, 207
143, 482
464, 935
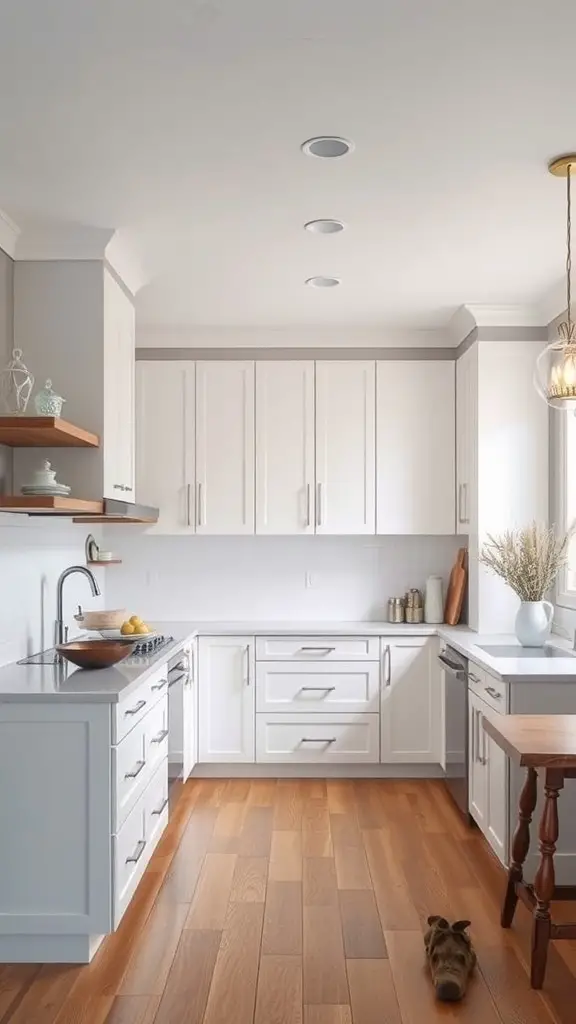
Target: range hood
110, 510
117, 511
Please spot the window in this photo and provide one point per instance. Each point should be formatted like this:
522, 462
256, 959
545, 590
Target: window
565, 497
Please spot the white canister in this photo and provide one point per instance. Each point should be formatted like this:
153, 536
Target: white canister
433, 600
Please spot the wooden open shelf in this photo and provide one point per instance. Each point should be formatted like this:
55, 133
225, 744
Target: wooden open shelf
49, 506
44, 432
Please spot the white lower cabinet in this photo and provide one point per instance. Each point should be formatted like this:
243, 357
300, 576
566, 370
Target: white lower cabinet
226, 705
183, 714
410, 701
488, 770
311, 687
317, 739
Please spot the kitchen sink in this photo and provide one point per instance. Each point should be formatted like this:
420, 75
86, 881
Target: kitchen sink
516, 651
49, 657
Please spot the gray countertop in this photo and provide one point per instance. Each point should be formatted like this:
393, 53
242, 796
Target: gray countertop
47, 683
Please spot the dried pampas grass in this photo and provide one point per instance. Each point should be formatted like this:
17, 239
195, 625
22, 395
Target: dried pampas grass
528, 560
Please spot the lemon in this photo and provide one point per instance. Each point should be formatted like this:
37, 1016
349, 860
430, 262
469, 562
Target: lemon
127, 629
135, 620
140, 629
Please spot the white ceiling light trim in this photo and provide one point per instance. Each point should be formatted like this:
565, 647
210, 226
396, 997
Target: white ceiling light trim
323, 282
328, 226
327, 147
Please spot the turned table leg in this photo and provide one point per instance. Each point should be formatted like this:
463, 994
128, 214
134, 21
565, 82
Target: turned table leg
520, 845
545, 881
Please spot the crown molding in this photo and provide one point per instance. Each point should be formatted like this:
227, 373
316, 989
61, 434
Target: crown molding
553, 303
505, 315
125, 262
460, 325
9, 234
168, 336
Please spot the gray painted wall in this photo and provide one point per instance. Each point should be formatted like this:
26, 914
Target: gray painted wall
6, 341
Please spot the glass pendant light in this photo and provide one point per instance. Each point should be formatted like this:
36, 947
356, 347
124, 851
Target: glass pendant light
555, 373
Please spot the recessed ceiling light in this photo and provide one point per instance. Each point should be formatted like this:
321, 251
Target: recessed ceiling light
323, 282
324, 227
328, 147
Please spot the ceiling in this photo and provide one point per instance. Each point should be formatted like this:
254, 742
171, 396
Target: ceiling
179, 122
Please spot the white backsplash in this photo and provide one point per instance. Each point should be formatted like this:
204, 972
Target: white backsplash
240, 578
33, 553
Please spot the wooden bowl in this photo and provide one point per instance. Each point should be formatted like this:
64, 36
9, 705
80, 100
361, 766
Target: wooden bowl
102, 619
94, 653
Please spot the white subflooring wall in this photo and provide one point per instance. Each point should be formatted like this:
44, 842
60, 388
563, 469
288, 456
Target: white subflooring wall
33, 553
240, 578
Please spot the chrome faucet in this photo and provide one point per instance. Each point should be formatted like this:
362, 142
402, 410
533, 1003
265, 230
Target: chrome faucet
61, 631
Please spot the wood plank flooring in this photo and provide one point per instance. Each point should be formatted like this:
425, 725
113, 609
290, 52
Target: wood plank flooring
301, 902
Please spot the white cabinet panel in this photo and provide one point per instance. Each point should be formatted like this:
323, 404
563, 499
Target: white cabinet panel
317, 739
466, 440
225, 447
318, 648
345, 447
165, 449
415, 445
497, 795
119, 413
226, 699
310, 687
285, 492
477, 776
409, 713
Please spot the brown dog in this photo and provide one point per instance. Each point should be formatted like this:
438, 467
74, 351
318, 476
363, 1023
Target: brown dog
450, 956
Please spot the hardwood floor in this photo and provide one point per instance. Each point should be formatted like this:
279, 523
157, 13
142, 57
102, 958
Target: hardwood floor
301, 902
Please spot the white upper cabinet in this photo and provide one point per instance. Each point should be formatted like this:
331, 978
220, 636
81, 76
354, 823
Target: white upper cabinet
466, 439
225, 447
415, 443
345, 447
119, 470
285, 492
165, 447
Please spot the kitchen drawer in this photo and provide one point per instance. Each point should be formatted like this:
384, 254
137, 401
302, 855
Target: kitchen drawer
134, 844
317, 648
490, 689
317, 739
128, 712
156, 723
157, 805
306, 687
134, 760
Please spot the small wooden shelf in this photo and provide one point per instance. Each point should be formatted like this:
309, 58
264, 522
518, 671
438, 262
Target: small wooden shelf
106, 561
44, 432
49, 506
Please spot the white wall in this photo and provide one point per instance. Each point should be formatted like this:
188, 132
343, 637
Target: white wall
33, 553
240, 578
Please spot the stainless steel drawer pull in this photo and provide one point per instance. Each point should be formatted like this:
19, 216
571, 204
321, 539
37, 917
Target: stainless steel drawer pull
162, 807
325, 689
180, 666
493, 692
136, 770
137, 852
137, 707
318, 739
161, 736
176, 679
474, 678
319, 650
159, 686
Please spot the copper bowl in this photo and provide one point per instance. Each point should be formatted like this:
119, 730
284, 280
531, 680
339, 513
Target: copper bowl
94, 653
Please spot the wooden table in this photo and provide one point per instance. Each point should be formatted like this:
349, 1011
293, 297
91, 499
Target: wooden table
547, 742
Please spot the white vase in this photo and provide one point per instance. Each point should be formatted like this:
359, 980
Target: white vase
533, 623
433, 603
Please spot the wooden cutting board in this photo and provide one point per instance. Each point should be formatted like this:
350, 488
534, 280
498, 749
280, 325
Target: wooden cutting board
456, 589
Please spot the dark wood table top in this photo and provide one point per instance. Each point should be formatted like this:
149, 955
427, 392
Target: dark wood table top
537, 741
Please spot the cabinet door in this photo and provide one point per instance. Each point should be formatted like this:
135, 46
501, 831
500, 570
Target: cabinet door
477, 775
165, 477
345, 447
466, 429
407, 710
497, 798
225, 447
226, 719
285, 447
119, 386
415, 470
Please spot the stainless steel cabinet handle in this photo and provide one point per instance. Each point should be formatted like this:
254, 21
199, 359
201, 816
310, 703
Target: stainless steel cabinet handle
127, 488
247, 665
474, 678
308, 506
136, 770
118, 487
188, 504
473, 736
476, 737
159, 686
325, 689
484, 747
466, 518
318, 739
199, 503
137, 707
176, 679
137, 852
192, 667
161, 736
318, 504
319, 650
493, 692
387, 665
162, 807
